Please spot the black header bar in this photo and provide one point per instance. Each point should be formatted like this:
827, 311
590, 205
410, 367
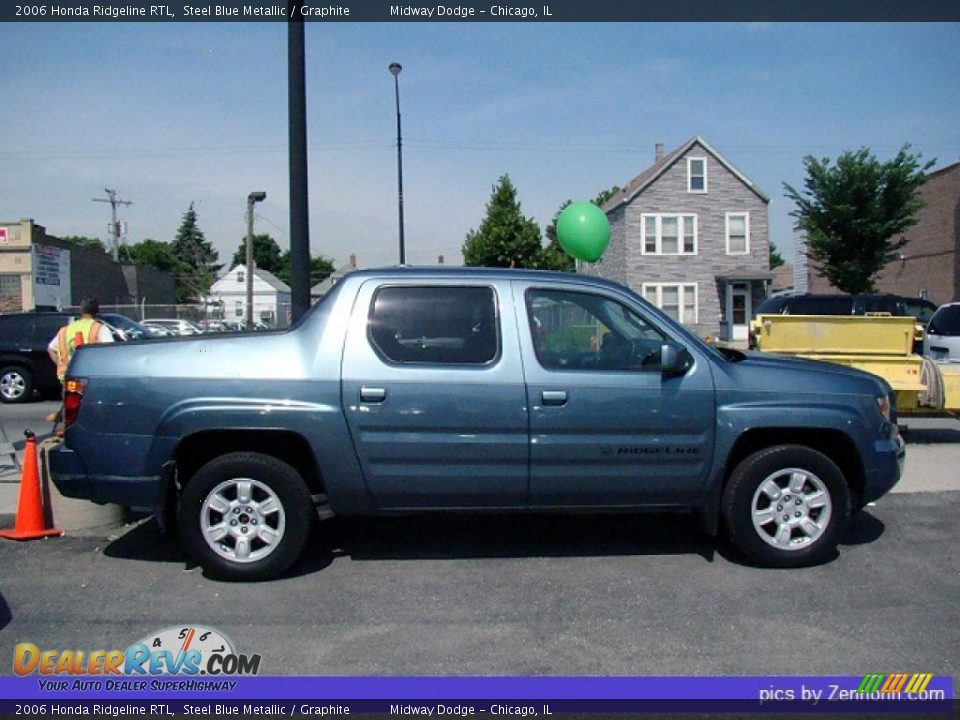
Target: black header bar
483, 11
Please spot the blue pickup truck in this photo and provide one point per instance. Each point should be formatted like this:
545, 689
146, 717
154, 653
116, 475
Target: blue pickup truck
419, 390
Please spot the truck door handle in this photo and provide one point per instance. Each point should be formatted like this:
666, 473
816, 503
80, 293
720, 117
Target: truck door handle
554, 397
372, 395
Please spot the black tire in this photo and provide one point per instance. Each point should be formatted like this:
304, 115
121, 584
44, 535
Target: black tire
16, 384
219, 481
781, 541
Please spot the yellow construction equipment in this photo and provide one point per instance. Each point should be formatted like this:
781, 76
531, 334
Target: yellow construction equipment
882, 345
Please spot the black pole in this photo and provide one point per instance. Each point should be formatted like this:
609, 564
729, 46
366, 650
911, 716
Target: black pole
396, 87
299, 210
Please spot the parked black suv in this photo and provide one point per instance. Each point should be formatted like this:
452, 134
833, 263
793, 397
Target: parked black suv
25, 366
810, 304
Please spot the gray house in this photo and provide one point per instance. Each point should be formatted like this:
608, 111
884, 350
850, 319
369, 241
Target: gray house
690, 234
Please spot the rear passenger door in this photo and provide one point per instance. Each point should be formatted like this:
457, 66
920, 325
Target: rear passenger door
434, 396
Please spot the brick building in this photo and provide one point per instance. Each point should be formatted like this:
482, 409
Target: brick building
40, 271
929, 264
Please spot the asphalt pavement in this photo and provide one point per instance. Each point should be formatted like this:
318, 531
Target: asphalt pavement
527, 595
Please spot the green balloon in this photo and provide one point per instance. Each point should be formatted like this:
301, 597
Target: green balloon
583, 231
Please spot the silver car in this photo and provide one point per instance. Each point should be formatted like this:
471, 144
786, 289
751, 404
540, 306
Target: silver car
942, 342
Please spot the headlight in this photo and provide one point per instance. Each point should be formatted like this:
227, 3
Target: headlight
883, 403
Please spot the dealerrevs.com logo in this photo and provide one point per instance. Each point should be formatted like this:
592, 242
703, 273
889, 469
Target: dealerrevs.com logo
180, 650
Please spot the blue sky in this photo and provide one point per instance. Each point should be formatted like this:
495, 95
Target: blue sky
173, 113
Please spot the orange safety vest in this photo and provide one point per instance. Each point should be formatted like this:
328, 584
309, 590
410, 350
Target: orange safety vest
70, 337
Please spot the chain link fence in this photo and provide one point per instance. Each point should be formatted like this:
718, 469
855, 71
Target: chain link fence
277, 317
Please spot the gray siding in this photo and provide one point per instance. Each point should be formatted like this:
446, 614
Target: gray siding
626, 263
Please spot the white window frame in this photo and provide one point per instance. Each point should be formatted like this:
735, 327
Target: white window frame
690, 161
746, 227
682, 219
681, 286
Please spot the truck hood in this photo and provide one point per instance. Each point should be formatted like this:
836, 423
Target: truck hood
767, 372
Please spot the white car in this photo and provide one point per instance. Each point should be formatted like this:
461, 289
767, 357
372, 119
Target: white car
175, 326
942, 342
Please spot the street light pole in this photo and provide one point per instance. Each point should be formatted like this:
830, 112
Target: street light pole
252, 198
395, 69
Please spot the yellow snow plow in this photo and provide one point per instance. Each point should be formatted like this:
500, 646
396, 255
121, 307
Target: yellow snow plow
882, 345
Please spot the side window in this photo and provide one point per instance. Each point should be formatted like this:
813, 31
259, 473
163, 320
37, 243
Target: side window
583, 331
45, 327
435, 325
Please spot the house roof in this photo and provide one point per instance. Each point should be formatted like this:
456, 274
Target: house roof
268, 277
644, 179
272, 280
323, 287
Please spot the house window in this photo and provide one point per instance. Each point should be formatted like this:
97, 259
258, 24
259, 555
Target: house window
669, 234
697, 175
239, 276
677, 301
738, 233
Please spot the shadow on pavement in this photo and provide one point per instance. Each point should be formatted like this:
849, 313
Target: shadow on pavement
468, 536
146, 542
5, 615
931, 436
443, 537
863, 529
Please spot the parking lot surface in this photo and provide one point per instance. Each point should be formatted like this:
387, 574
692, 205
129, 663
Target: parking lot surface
514, 594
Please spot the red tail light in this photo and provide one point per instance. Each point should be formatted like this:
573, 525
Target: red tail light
72, 397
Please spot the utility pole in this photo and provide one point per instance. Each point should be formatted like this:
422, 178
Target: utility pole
252, 198
297, 124
114, 225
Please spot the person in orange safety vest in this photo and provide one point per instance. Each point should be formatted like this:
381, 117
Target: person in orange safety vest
84, 330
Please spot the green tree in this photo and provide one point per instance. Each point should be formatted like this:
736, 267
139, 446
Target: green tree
196, 260
776, 259
852, 210
155, 253
505, 238
320, 268
266, 254
555, 257
87, 242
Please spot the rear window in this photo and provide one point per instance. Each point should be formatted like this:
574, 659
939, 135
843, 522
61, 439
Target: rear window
881, 304
830, 305
772, 306
946, 321
435, 325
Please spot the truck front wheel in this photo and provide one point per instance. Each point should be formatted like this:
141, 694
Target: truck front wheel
245, 516
786, 506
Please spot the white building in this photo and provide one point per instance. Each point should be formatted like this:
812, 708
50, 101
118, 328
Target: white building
271, 296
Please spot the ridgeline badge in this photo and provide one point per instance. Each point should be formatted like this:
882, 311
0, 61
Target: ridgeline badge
179, 650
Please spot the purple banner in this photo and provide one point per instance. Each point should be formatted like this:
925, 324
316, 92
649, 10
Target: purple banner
473, 695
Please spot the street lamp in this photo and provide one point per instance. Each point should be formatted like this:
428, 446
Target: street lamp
252, 198
395, 69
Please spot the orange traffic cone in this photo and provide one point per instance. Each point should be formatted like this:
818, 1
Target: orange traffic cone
30, 524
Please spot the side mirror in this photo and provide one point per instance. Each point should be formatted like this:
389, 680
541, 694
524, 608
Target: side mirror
674, 360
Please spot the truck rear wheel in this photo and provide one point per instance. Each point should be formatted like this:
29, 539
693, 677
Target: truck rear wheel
245, 516
786, 506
